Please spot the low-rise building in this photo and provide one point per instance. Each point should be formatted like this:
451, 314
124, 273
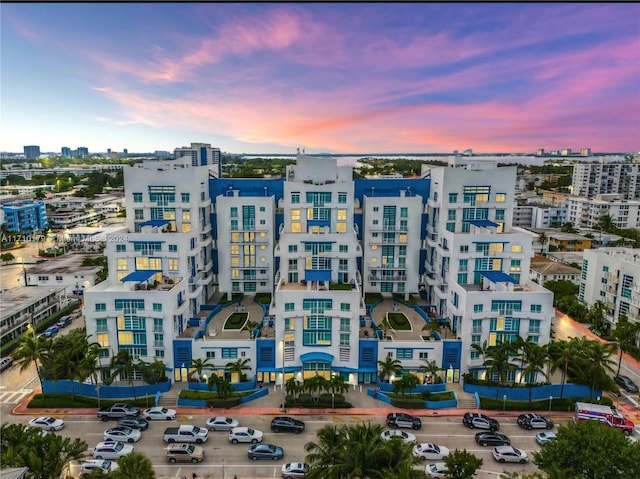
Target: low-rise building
562, 241
65, 271
543, 269
25, 306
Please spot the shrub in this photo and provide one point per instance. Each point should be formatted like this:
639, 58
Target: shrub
408, 403
224, 403
400, 299
557, 404
305, 397
372, 298
326, 398
64, 401
207, 395
263, 298
319, 404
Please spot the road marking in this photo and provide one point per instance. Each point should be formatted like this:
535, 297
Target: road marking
14, 397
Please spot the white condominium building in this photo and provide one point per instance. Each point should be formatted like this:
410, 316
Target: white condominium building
611, 176
586, 213
612, 276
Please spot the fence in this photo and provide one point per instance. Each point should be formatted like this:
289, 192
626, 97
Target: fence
537, 392
382, 396
65, 386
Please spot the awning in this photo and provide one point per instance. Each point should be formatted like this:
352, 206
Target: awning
484, 223
316, 356
354, 370
154, 223
139, 276
498, 277
270, 369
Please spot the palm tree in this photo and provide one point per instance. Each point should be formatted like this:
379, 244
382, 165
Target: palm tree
536, 358
407, 382
122, 366
223, 387
562, 354
430, 367
321, 454
238, 367
596, 315
292, 387
542, 238
626, 334
31, 349
388, 367
250, 326
198, 365
599, 364
498, 360
315, 384
481, 349
337, 384
433, 326
606, 223
133, 465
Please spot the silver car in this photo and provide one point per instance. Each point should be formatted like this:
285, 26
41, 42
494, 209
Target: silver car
295, 470
509, 454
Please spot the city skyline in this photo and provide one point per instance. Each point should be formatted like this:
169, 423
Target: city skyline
335, 78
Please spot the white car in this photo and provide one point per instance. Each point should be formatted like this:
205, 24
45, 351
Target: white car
405, 437
99, 464
159, 412
544, 438
437, 469
509, 454
122, 434
429, 451
221, 423
47, 423
244, 434
295, 470
111, 450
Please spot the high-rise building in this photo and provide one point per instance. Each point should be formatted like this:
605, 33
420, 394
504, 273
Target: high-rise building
309, 248
66, 152
585, 151
31, 152
82, 152
612, 175
125, 152
201, 154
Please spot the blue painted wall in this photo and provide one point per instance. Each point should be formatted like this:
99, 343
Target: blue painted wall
451, 354
539, 392
265, 353
64, 386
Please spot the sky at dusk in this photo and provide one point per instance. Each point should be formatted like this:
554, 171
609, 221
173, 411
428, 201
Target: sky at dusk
338, 78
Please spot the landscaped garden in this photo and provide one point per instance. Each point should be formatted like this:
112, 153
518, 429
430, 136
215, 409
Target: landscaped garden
399, 321
235, 321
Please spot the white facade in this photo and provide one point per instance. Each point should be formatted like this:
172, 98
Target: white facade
477, 265
245, 234
612, 175
548, 217
201, 154
317, 327
586, 213
612, 276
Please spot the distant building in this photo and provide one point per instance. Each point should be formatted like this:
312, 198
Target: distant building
566, 152
82, 152
612, 276
613, 175
544, 269
586, 212
66, 271
562, 241
66, 152
585, 152
201, 154
23, 306
32, 152
25, 216
125, 152
540, 152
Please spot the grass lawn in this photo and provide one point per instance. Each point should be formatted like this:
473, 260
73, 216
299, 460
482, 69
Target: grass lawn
236, 321
399, 321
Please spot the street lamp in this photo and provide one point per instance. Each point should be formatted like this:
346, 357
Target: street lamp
504, 403
284, 409
550, 399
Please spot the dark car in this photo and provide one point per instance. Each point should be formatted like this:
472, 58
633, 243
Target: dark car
534, 421
402, 420
474, 420
492, 439
626, 383
64, 322
265, 451
139, 423
287, 424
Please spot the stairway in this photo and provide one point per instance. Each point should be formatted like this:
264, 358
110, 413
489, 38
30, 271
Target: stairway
168, 401
465, 400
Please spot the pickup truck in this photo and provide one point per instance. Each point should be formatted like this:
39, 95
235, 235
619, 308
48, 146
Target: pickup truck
186, 433
117, 411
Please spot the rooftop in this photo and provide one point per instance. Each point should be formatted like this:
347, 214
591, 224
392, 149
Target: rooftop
16, 299
65, 264
544, 265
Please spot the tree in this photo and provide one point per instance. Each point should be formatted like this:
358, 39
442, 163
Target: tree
122, 366
536, 358
431, 368
223, 386
31, 349
462, 464
293, 387
6, 257
250, 326
239, 367
498, 361
569, 228
481, 349
153, 372
337, 384
388, 367
315, 384
626, 334
406, 383
133, 465
589, 450
606, 223
562, 354
198, 365
542, 238
46, 456
562, 288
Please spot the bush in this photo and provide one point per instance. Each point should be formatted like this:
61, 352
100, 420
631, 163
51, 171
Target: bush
319, 404
64, 401
263, 298
224, 403
408, 403
304, 397
372, 298
209, 395
400, 299
326, 398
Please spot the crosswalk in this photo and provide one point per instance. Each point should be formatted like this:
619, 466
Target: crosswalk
14, 397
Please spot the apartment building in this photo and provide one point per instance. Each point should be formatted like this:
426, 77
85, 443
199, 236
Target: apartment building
612, 276
611, 175
24, 216
586, 212
201, 154
27, 306
477, 266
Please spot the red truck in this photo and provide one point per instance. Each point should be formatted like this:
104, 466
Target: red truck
605, 414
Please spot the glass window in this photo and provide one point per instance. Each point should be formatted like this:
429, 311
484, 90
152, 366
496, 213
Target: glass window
173, 247
477, 308
121, 248
404, 212
157, 307
536, 308
342, 197
451, 227
451, 215
233, 212
137, 197
516, 248
453, 197
101, 307
295, 198
500, 215
501, 197
464, 248
293, 248
122, 264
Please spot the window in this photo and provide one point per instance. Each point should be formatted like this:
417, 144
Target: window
229, 353
173, 248
101, 306
404, 212
101, 325
159, 353
477, 325
451, 215
137, 197
138, 214
262, 209
295, 198
463, 278
122, 264
289, 306
451, 227
464, 248
103, 340
404, 353
345, 306
500, 215
477, 308
173, 264
293, 248
344, 248
233, 212
453, 197
157, 307
185, 197
120, 248
423, 355
345, 324
342, 197
515, 265
536, 308
211, 354
501, 197
534, 325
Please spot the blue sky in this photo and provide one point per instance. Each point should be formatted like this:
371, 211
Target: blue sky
341, 78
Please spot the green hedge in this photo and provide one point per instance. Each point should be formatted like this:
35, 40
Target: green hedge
319, 404
443, 396
207, 395
408, 403
263, 298
371, 298
64, 401
224, 403
7, 347
400, 298
326, 398
557, 404
469, 379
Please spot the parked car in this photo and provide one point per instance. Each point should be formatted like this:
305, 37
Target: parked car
492, 439
122, 434
47, 423
117, 411
97, 464
474, 420
64, 322
184, 453
244, 434
159, 412
437, 469
534, 421
265, 451
295, 470
287, 424
405, 437
545, 437
626, 383
402, 420
509, 454
139, 423
51, 331
111, 450
221, 423
5, 363
429, 451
